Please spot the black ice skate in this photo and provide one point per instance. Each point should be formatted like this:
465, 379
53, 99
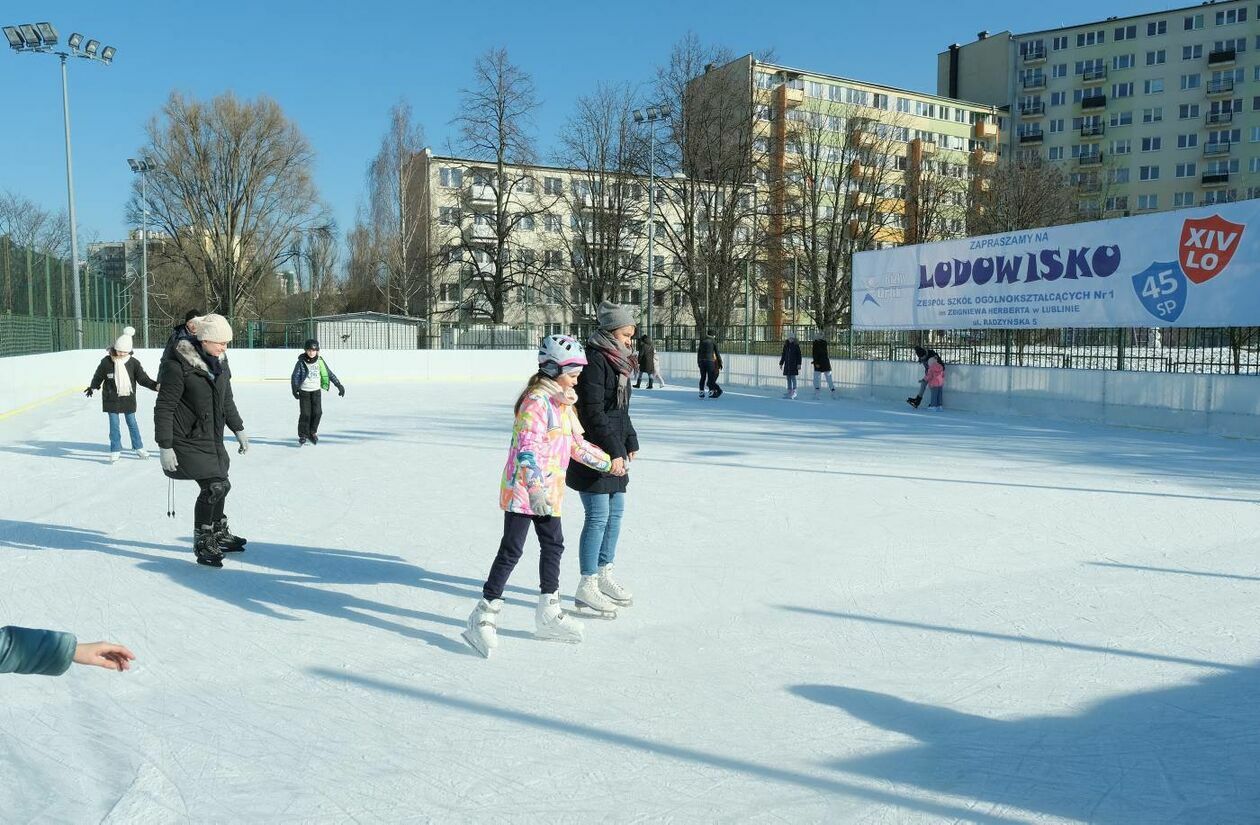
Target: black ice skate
206, 547
228, 543
314, 438
915, 401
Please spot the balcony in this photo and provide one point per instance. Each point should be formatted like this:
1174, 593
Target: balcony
1094, 102
982, 184
986, 130
1211, 150
1092, 159
1089, 211
1089, 186
1224, 86
1215, 178
863, 139
1093, 130
860, 200
481, 233
1027, 138
1217, 118
1095, 75
985, 157
1033, 57
1224, 57
481, 193
792, 97
1032, 110
1035, 83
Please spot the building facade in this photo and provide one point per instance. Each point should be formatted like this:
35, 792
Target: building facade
1149, 112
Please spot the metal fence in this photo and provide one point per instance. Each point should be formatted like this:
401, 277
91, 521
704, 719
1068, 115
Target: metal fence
1225, 350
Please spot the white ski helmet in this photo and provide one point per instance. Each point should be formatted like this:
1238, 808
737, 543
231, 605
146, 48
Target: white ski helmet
560, 353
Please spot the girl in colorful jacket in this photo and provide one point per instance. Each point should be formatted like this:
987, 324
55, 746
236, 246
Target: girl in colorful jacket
545, 437
935, 378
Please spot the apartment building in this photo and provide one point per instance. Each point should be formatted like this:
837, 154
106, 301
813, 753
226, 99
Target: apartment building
809, 127
1147, 112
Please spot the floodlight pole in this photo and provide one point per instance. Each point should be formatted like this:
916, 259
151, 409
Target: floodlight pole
74, 229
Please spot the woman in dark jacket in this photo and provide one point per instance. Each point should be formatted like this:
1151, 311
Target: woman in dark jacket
603, 408
118, 375
822, 366
647, 363
193, 405
790, 361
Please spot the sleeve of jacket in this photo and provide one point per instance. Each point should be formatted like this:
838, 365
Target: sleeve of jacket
332, 376
39, 652
171, 377
531, 432
142, 377
590, 407
295, 380
102, 370
232, 415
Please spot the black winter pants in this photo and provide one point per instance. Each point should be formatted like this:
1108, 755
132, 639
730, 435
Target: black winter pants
708, 375
311, 410
209, 506
515, 529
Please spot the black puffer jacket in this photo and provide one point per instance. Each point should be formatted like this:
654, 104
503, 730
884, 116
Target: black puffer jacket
605, 425
103, 380
790, 360
822, 361
192, 409
647, 355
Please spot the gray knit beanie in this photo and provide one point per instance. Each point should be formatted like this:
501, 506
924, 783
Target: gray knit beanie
614, 316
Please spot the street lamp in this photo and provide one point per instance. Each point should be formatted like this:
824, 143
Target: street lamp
42, 38
142, 168
650, 115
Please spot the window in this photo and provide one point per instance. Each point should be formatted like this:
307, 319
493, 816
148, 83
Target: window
448, 292
1125, 33
1056, 125
1156, 28
1192, 52
1228, 17
881, 101
1058, 98
1148, 201
1189, 141
1056, 153
553, 258
1255, 134
1152, 144
1093, 67
553, 224
1118, 203
1187, 170
903, 105
764, 80
449, 216
1058, 70
815, 89
1193, 21
1191, 81
1121, 147
1236, 45
1122, 118
1122, 89
1253, 165
1183, 199
1059, 43
1119, 175
525, 222
483, 219
1153, 115
1148, 173
450, 177
1091, 38
1154, 86
1188, 111
1225, 136
553, 186
575, 222
1123, 61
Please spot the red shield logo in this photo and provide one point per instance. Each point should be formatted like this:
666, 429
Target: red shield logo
1207, 246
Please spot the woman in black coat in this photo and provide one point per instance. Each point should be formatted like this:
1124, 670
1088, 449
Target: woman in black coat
193, 406
118, 375
647, 363
790, 361
822, 366
603, 408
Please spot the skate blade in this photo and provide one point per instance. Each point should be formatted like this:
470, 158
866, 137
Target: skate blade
468, 637
568, 640
585, 611
619, 602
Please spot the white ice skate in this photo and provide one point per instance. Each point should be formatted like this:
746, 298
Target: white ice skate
113, 457
792, 395
588, 601
142, 453
554, 624
482, 634
613, 591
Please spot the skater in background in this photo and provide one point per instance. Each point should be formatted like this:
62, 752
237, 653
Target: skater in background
545, 437
710, 362
790, 362
181, 332
118, 375
26, 651
935, 378
310, 379
647, 363
821, 362
603, 407
923, 355
193, 406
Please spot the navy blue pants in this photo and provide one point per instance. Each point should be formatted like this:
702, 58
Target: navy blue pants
515, 529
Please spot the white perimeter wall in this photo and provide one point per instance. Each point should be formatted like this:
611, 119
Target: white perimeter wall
1217, 404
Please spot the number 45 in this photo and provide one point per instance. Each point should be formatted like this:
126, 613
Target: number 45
1164, 286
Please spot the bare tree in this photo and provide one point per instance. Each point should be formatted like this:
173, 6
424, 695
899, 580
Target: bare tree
362, 284
231, 185
1020, 193
35, 231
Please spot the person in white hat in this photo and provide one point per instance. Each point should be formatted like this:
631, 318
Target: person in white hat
118, 374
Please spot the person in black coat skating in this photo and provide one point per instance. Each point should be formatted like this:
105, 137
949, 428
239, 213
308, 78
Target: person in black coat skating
193, 406
181, 332
118, 375
821, 362
790, 361
923, 355
710, 362
647, 363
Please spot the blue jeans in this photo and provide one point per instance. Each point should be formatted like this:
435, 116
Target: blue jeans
598, 545
115, 437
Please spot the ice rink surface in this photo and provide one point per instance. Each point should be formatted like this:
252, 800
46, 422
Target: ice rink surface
843, 613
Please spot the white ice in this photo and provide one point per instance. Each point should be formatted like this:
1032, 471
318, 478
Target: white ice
843, 613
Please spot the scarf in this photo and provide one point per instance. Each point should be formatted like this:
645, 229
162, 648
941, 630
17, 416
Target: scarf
122, 378
620, 358
212, 363
563, 397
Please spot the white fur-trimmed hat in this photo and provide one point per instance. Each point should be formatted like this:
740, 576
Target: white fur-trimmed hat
213, 327
123, 342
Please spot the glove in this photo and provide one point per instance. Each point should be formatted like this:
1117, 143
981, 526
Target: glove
242, 442
296, 395
341, 392
88, 392
169, 464
538, 501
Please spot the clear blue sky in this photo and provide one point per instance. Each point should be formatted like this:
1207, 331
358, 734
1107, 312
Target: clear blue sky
337, 67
